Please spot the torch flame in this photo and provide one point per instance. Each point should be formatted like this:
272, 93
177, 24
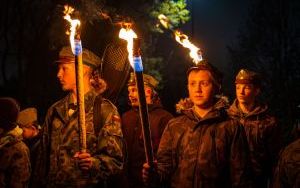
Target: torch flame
75, 23
128, 34
195, 52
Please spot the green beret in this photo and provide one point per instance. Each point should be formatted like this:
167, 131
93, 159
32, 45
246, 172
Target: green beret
245, 76
148, 80
88, 58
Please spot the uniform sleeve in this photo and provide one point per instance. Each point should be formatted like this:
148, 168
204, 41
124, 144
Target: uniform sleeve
109, 159
272, 141
280, 178
165, 162
164, 119
239, 159
41, 167
20, 168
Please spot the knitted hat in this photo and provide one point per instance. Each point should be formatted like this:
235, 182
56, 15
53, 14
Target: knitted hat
9, 110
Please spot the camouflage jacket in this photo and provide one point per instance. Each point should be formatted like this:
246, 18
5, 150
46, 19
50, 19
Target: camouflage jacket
287, 173
263, 139
61, 141
132, 129
203, 152
14, 161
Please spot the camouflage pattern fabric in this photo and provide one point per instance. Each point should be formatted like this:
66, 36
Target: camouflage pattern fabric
14, 162
263, 139
203, 152
287, 173
61, 142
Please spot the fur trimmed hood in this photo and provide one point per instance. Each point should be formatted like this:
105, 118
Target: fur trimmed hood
187, 104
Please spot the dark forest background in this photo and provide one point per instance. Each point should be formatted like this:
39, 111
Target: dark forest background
267, 41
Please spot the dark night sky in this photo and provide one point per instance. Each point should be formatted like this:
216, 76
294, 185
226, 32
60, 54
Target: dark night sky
215, 26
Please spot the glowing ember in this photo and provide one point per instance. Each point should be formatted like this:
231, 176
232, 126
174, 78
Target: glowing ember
75, 23
128, 34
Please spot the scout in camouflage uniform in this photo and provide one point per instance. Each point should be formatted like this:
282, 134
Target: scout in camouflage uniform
64, 165
132, 128
14, 154
287, 173
260, 127
202, 147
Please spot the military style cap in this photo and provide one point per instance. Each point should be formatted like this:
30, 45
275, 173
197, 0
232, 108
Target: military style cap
148, 80
9, 110
28, 115
205, 65
89, 58
247, 77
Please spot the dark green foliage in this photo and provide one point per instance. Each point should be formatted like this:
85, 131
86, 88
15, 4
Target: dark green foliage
175, 11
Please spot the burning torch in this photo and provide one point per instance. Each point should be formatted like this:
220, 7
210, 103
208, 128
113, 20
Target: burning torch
135, 60
195, 52
77, 51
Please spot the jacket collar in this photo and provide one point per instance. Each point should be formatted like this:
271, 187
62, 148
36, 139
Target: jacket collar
62, 107
217, 114
235, 110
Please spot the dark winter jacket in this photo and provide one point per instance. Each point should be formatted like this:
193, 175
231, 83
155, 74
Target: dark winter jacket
263, 140
199, 152
132, 130
287, 173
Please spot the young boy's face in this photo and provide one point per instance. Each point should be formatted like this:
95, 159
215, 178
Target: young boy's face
29, 131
